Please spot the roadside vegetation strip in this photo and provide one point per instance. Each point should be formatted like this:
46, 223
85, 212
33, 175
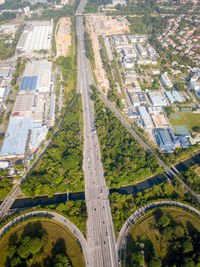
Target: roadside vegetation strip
42, 240
165, 236
5, 184
125, 161
192, 179
89, 49
60, 167
74, 211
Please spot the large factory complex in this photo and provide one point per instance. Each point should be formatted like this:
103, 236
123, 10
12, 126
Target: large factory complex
33, 112
36, 38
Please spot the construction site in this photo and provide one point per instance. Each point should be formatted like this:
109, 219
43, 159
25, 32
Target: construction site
103, 25
63, 37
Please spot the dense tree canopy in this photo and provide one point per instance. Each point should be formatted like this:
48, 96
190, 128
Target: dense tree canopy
31, 247
60, 168
175, 243
124, 160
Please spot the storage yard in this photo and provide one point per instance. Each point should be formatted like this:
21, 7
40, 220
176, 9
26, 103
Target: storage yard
36, 37
33, 112
63, 37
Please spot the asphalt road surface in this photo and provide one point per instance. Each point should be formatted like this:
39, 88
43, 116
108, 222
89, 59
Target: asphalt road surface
100, 229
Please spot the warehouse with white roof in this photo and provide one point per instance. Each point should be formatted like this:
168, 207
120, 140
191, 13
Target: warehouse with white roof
147, 122
36, 36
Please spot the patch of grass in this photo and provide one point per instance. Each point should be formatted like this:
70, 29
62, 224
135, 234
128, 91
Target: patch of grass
56, 233
163, 243
188, 119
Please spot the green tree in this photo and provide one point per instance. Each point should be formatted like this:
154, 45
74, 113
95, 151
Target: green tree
15, 261
60, 260
24, 248
164, 221
187, 246
155, 262
196, 129
179, 231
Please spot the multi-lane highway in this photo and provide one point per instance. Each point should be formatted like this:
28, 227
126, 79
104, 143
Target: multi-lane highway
100, 229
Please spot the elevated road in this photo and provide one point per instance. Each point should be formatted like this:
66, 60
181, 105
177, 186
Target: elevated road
100, 229
140, 212
55, 216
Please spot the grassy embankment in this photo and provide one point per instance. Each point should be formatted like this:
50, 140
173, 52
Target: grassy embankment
170, 238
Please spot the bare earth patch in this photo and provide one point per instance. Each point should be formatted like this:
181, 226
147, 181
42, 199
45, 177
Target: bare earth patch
100, 24
64, 2
63, 36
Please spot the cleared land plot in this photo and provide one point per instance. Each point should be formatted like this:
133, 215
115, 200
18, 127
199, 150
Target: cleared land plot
55, 232
146, 231
63, 36
187, 119
97, 25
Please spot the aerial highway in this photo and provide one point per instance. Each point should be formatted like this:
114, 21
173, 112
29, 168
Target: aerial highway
55, 216
100, 229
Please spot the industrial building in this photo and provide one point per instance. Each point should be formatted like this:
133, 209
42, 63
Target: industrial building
195, 81
15, 141
151, 51
129, 52
119, 2
33, 112
38, 75
5, 69
174, 96
128, 62
137, 39
36, 36
159, 120
147, 123
28, 83
157, 98
141, 50
2, 94
155, 110
164, 140
138, 99
197, 93
166, 82
131, 114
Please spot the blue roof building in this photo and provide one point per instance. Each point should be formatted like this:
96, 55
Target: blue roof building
184, 141
174, 96
16, 137
28, 83
164, 140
